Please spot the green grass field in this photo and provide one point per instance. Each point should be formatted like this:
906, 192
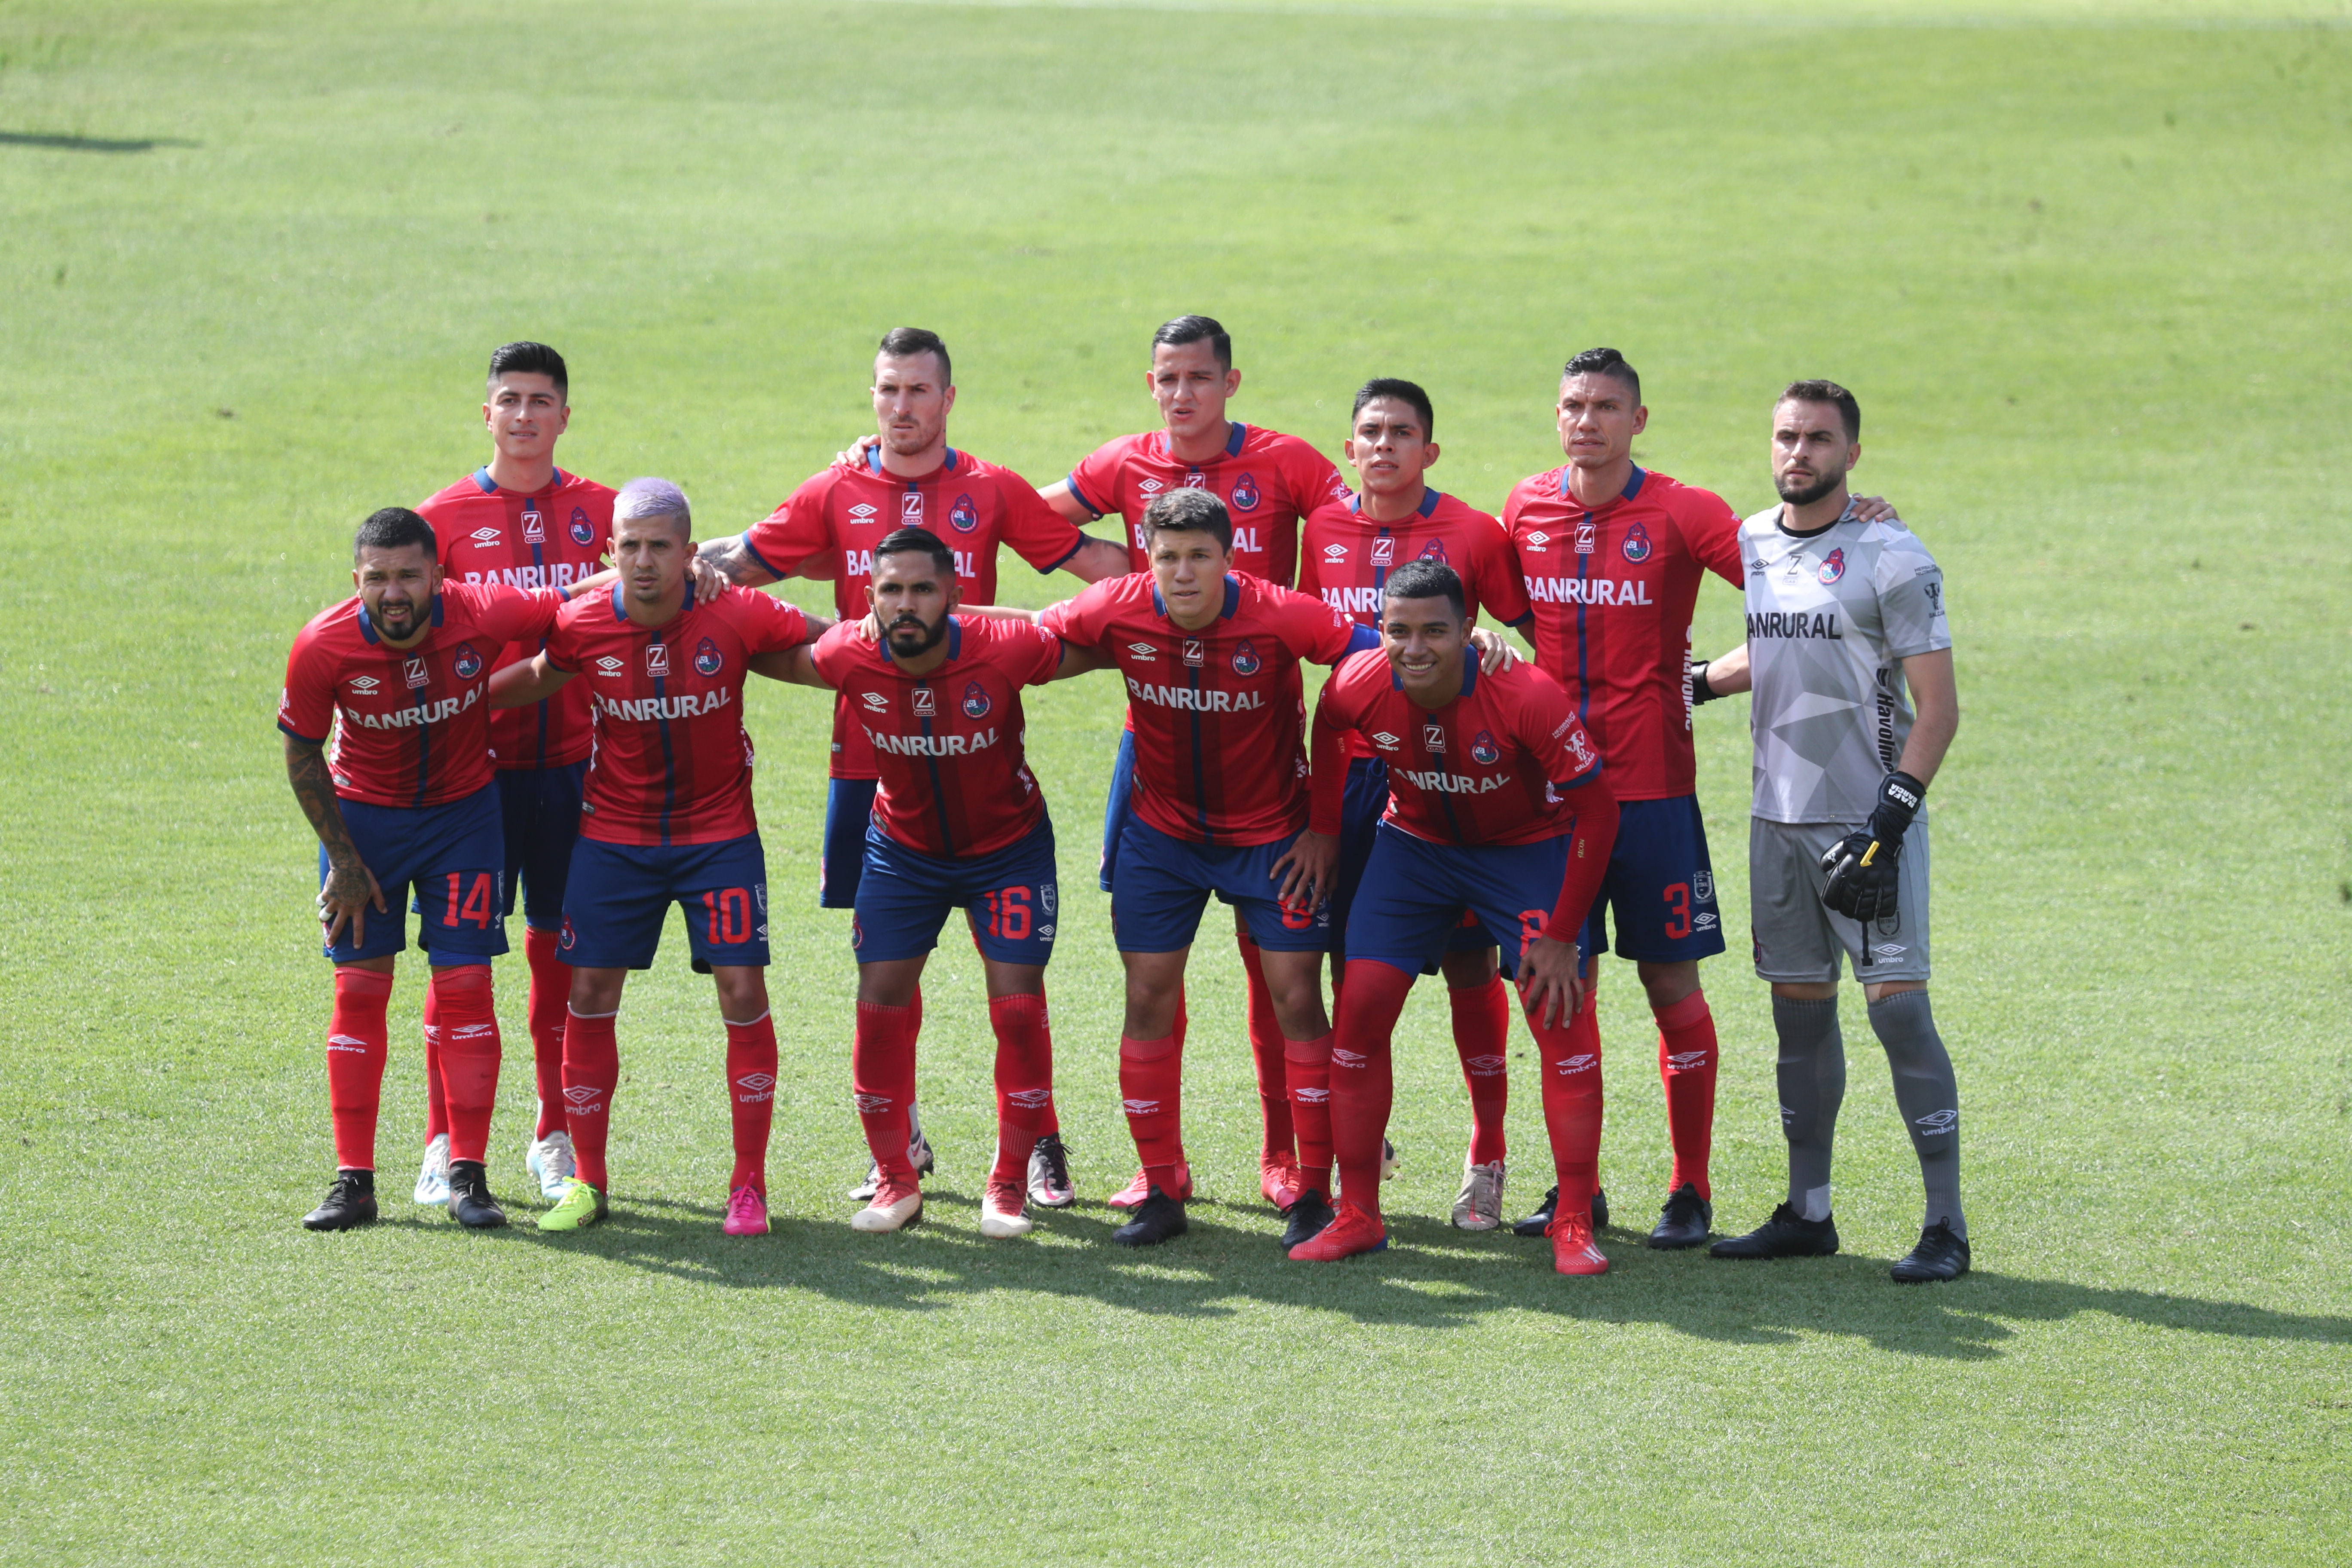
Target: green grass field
2086, 264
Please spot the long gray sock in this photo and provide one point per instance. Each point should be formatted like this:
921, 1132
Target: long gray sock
1812, 1087
1930, 1100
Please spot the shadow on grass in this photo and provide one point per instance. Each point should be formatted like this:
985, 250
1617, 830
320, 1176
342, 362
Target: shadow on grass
1432, 1276
91, 143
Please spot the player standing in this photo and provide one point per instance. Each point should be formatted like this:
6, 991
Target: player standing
827, 529
1497, 806
666, 818
1845, 629
1210, 660
958, 824
520, 521
1348, 548
398, 674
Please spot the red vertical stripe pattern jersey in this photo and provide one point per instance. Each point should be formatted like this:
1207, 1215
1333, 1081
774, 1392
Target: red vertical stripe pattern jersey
1267, 479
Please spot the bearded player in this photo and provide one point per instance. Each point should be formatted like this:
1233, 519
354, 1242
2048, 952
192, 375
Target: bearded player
827, 529
666, 819
1496, 806
1845, 631
520, 521
958, 824
398, 673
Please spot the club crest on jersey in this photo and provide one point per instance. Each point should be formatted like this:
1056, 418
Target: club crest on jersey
1196, 652
1834, 567
534, 527
706, 659
657, 658
1434, 551
414, 668
1587, 538
1246, 660
927, 702
1483, 749
468, 664
1384, 552
1432, 738
1637, 547
910, 508
964, 516
1245, 493
583, 532
976, 700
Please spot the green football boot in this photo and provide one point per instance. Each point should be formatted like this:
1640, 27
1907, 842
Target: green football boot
581, 1206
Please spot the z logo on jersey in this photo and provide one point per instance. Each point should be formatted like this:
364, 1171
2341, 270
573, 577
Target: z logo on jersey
1587, 538
1196, 652
414, 668
927, 702
1383, 550
910, 508
657, 658
1432, 739
534, 527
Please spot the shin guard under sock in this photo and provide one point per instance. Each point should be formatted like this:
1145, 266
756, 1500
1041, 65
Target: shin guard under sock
551, 986
469, 1055
1569, 1054
1150, 1088
1307, 1064
1024, 1083
436, 1106
1482, 1037
1281, 1134
750, 1098
592, 1076
1363, 1087
1686, 1064
882, 1081
1927, 1096
358, 1043
1812, 1087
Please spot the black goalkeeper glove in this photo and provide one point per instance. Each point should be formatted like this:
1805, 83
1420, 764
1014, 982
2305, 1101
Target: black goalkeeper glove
1861, 868
1700, 690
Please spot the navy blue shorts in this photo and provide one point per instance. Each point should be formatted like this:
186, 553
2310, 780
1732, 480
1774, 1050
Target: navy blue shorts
1415, 893
1367, 797
621, 893
1660, 885
540, 807
452, 857
1116, 808
1165, 883
1010, 896
841, 861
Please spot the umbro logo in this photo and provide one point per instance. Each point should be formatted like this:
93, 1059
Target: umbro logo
1889, 950
1142, 650
757, 1081
863, 511
364, 683
1031, 1098
1334, 553
582, 1094
1140, 1107
1485, 1067
346, 1043
875, 703
1536, 541
1682, 1061
1936, 1121
1577, 1064
1150, 486
474, 1031
867, 1104
485, 536
608, 665
1345, 1059
1310, 1096
1385, 741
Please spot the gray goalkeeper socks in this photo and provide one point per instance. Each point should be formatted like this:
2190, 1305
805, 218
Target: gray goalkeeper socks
1812, 1086
1930, 1099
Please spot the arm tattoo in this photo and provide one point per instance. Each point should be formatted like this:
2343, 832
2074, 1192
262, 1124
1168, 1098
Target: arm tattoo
731, 558
314, 788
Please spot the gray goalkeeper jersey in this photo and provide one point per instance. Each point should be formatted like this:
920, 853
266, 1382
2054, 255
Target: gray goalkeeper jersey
1831, 615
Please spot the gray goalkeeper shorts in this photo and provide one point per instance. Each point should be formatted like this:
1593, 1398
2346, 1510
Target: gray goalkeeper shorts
1797, 940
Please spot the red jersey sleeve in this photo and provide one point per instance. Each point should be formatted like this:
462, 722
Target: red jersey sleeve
1710, 530
1038, 534
1548, 727
835, 654
1310, 628
1311, 478
1080, 622
766, 624
1335, 720
1502, 592
1033, 656
1095, 482
795, 531
510, 615
306, 703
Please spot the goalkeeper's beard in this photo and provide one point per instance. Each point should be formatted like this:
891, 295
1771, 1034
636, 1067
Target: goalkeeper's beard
1808, 494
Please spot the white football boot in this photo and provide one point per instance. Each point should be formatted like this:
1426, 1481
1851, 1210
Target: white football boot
552, 1161
1479, 1204
918, 1149
433, 1176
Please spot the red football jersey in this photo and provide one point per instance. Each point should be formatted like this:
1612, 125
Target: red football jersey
840, 515
410, 724
673, 761
955, 779
1267, 479
1486, 768
550, 539
1218, 713
1613, 590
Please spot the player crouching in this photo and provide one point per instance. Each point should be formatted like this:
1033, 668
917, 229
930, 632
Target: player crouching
1497, 806
666, 818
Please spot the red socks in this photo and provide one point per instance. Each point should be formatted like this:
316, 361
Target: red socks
592, 1072
750, 1098
469, 1055
882, 1081
1309, 1068
551, 984
1151, 1088
1363, 1085
357, 1044
1571, 1055
1266, 1052
436, 1107
1482, 1035
1687, 1062
1024, 1081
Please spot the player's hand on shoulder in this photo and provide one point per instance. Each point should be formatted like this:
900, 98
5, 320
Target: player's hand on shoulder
1495, 652
710, 582
854, 456
1873, 509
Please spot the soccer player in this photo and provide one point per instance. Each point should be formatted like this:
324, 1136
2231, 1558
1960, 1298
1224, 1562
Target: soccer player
827, 529
1210, 660
958, 824
1497, 805
1347, 549
522, 521
398, 673
1845, 631
666, 818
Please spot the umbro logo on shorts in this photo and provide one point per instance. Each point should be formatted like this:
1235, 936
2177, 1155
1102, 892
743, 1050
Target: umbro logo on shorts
1889, 950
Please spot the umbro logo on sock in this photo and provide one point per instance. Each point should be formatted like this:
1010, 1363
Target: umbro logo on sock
584, 1097
1938, 1122
757, 1081
1345, 1059
1310, 1096
346, 1043
1031, 1098
1485, 1067
867, 1104
1576, 1063
1140, 1107
1684, 1060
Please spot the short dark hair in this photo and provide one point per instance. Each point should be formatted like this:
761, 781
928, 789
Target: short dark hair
901, 343
531, 359
1605, 362
1826, 391
395, 528
1185, 329
918, 542
1404, 391
1190, 510
1423, 578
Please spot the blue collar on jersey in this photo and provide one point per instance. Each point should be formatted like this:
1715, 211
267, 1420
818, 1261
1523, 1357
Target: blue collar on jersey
1469, 673
1428, 507
367, 628
620, 612
874, 465
1232, 599
1633, 486
489, 487
1236, 434
955, 645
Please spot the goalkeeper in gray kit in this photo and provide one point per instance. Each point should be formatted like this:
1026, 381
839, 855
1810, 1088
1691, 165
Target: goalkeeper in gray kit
1851, 662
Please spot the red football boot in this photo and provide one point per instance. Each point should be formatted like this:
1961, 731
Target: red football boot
1351, 1231
1280, 1179
1572, 1249
1132, 1195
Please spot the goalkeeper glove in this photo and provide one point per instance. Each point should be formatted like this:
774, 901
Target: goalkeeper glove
1861, 868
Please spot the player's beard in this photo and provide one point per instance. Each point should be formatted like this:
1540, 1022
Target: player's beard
1807, 495
397, 622
933, 635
